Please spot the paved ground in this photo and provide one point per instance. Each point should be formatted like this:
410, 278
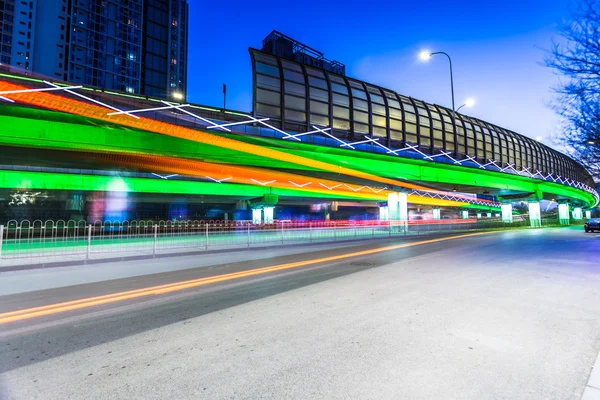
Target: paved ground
511, 315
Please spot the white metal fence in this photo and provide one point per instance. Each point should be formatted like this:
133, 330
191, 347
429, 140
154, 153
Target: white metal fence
46, 241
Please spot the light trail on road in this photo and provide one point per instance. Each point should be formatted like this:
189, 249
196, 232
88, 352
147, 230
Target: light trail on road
51, 309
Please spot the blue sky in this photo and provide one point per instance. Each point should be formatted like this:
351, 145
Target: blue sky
496, 47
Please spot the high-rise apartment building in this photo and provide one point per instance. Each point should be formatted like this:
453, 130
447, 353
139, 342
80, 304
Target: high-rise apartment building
135, 46
17, 30
164, 47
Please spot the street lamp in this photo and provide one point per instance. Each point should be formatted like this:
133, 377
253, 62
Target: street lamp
470, 102
425, 55
178, 96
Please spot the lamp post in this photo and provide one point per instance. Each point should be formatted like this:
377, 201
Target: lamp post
425, 56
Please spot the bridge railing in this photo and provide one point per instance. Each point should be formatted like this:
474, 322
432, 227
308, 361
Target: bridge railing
57, 240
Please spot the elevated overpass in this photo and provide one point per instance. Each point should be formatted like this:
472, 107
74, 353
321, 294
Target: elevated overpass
60, 137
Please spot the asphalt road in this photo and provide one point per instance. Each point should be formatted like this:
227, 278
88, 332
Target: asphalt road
506, 315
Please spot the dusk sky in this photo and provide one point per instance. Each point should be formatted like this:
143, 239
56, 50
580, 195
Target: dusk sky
497, 48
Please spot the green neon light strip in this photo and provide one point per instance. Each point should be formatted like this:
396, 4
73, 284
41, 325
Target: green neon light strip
40, 128
44, 129
22, 78
22, 180
58, 181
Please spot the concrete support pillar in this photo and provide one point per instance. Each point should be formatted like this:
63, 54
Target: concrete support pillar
563, 214
478, 215
384, 214
403, 206
398, 206
437, 213
268, 214
256, 215
535, 215
588, 214
489, 215
465, 214
507, 215
393, 206
577, 213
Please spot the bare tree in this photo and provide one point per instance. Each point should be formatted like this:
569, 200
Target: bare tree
577, 58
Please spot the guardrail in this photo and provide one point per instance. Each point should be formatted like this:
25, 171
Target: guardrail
42, 241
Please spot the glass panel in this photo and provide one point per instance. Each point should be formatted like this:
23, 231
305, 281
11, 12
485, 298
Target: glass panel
341, 112
336, 79
294, 88
377, 99
342, 100
295, 102
423, 112
377, 120
360, 128
408, 107
394, 112
410, 117
319, 108
393, 103
395, 124
341, 124
268, 82
267, 69
379, 132
292, 66
339, 88
359, 93
411, 128
396, 135
319, 94
295, 115
293, 76
265, 59
361, 104
263, 109
378, 108
265, 96
319, 120
361, 117
315, 72
320, 83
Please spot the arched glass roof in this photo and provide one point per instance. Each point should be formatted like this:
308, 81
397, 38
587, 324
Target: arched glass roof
295, 97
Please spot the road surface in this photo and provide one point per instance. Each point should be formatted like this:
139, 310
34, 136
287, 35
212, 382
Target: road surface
502, 315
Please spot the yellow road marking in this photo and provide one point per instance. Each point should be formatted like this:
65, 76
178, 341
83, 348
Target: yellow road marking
20, 315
